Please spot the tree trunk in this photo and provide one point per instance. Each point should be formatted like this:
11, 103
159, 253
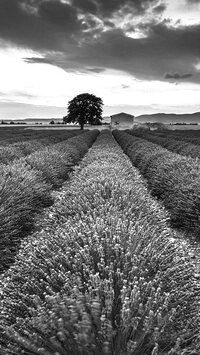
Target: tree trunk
81, 125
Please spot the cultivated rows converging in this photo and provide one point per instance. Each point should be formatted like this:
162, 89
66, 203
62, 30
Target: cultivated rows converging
22, 148
171, 177
105, 275
187, 135
176, 144
16, 134
26, 184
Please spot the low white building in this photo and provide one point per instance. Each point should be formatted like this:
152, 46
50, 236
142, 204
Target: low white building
122, 120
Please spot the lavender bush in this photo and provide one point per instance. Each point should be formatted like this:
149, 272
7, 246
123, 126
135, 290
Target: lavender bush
25, 187
171, 177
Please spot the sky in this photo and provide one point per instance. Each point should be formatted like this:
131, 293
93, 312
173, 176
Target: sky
139, 56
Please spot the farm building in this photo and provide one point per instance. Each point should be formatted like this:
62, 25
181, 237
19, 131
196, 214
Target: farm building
122, 120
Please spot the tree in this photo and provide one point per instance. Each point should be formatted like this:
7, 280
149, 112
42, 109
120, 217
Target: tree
84, 108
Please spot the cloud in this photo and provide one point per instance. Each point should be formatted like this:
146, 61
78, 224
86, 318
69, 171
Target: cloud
58, 14
87, 6
83, 36
160, 8
44, 25
193, 2
56, 25
36, 60
124, 86
95, 70
107, 8
165, 49
177, 76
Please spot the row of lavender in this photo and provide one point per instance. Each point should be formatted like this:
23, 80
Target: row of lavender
171, 177
187, 135
26, 184
176, 144
10, 135
105, 275
27, 145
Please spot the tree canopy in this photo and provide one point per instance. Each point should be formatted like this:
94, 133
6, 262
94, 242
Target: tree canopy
84, 108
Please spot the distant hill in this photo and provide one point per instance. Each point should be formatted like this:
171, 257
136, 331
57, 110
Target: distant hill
169, 118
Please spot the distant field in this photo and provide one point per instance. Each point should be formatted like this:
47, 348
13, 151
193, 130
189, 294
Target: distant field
38, 126
99, 242
183, 127
50, 127
55, 126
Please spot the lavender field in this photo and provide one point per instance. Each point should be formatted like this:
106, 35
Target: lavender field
99, 242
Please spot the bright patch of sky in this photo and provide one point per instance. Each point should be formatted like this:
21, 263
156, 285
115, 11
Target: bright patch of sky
43, 84
187, 14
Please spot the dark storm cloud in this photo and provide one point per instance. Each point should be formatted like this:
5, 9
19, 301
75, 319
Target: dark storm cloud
52, 24
38, 25
159, 9
73, 37
108, 7
164, 50
60, 15
193, 2
88, 6
177, 76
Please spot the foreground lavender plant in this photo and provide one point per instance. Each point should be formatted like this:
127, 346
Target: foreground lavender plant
106, 276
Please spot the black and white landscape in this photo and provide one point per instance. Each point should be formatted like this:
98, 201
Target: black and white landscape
99, 177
